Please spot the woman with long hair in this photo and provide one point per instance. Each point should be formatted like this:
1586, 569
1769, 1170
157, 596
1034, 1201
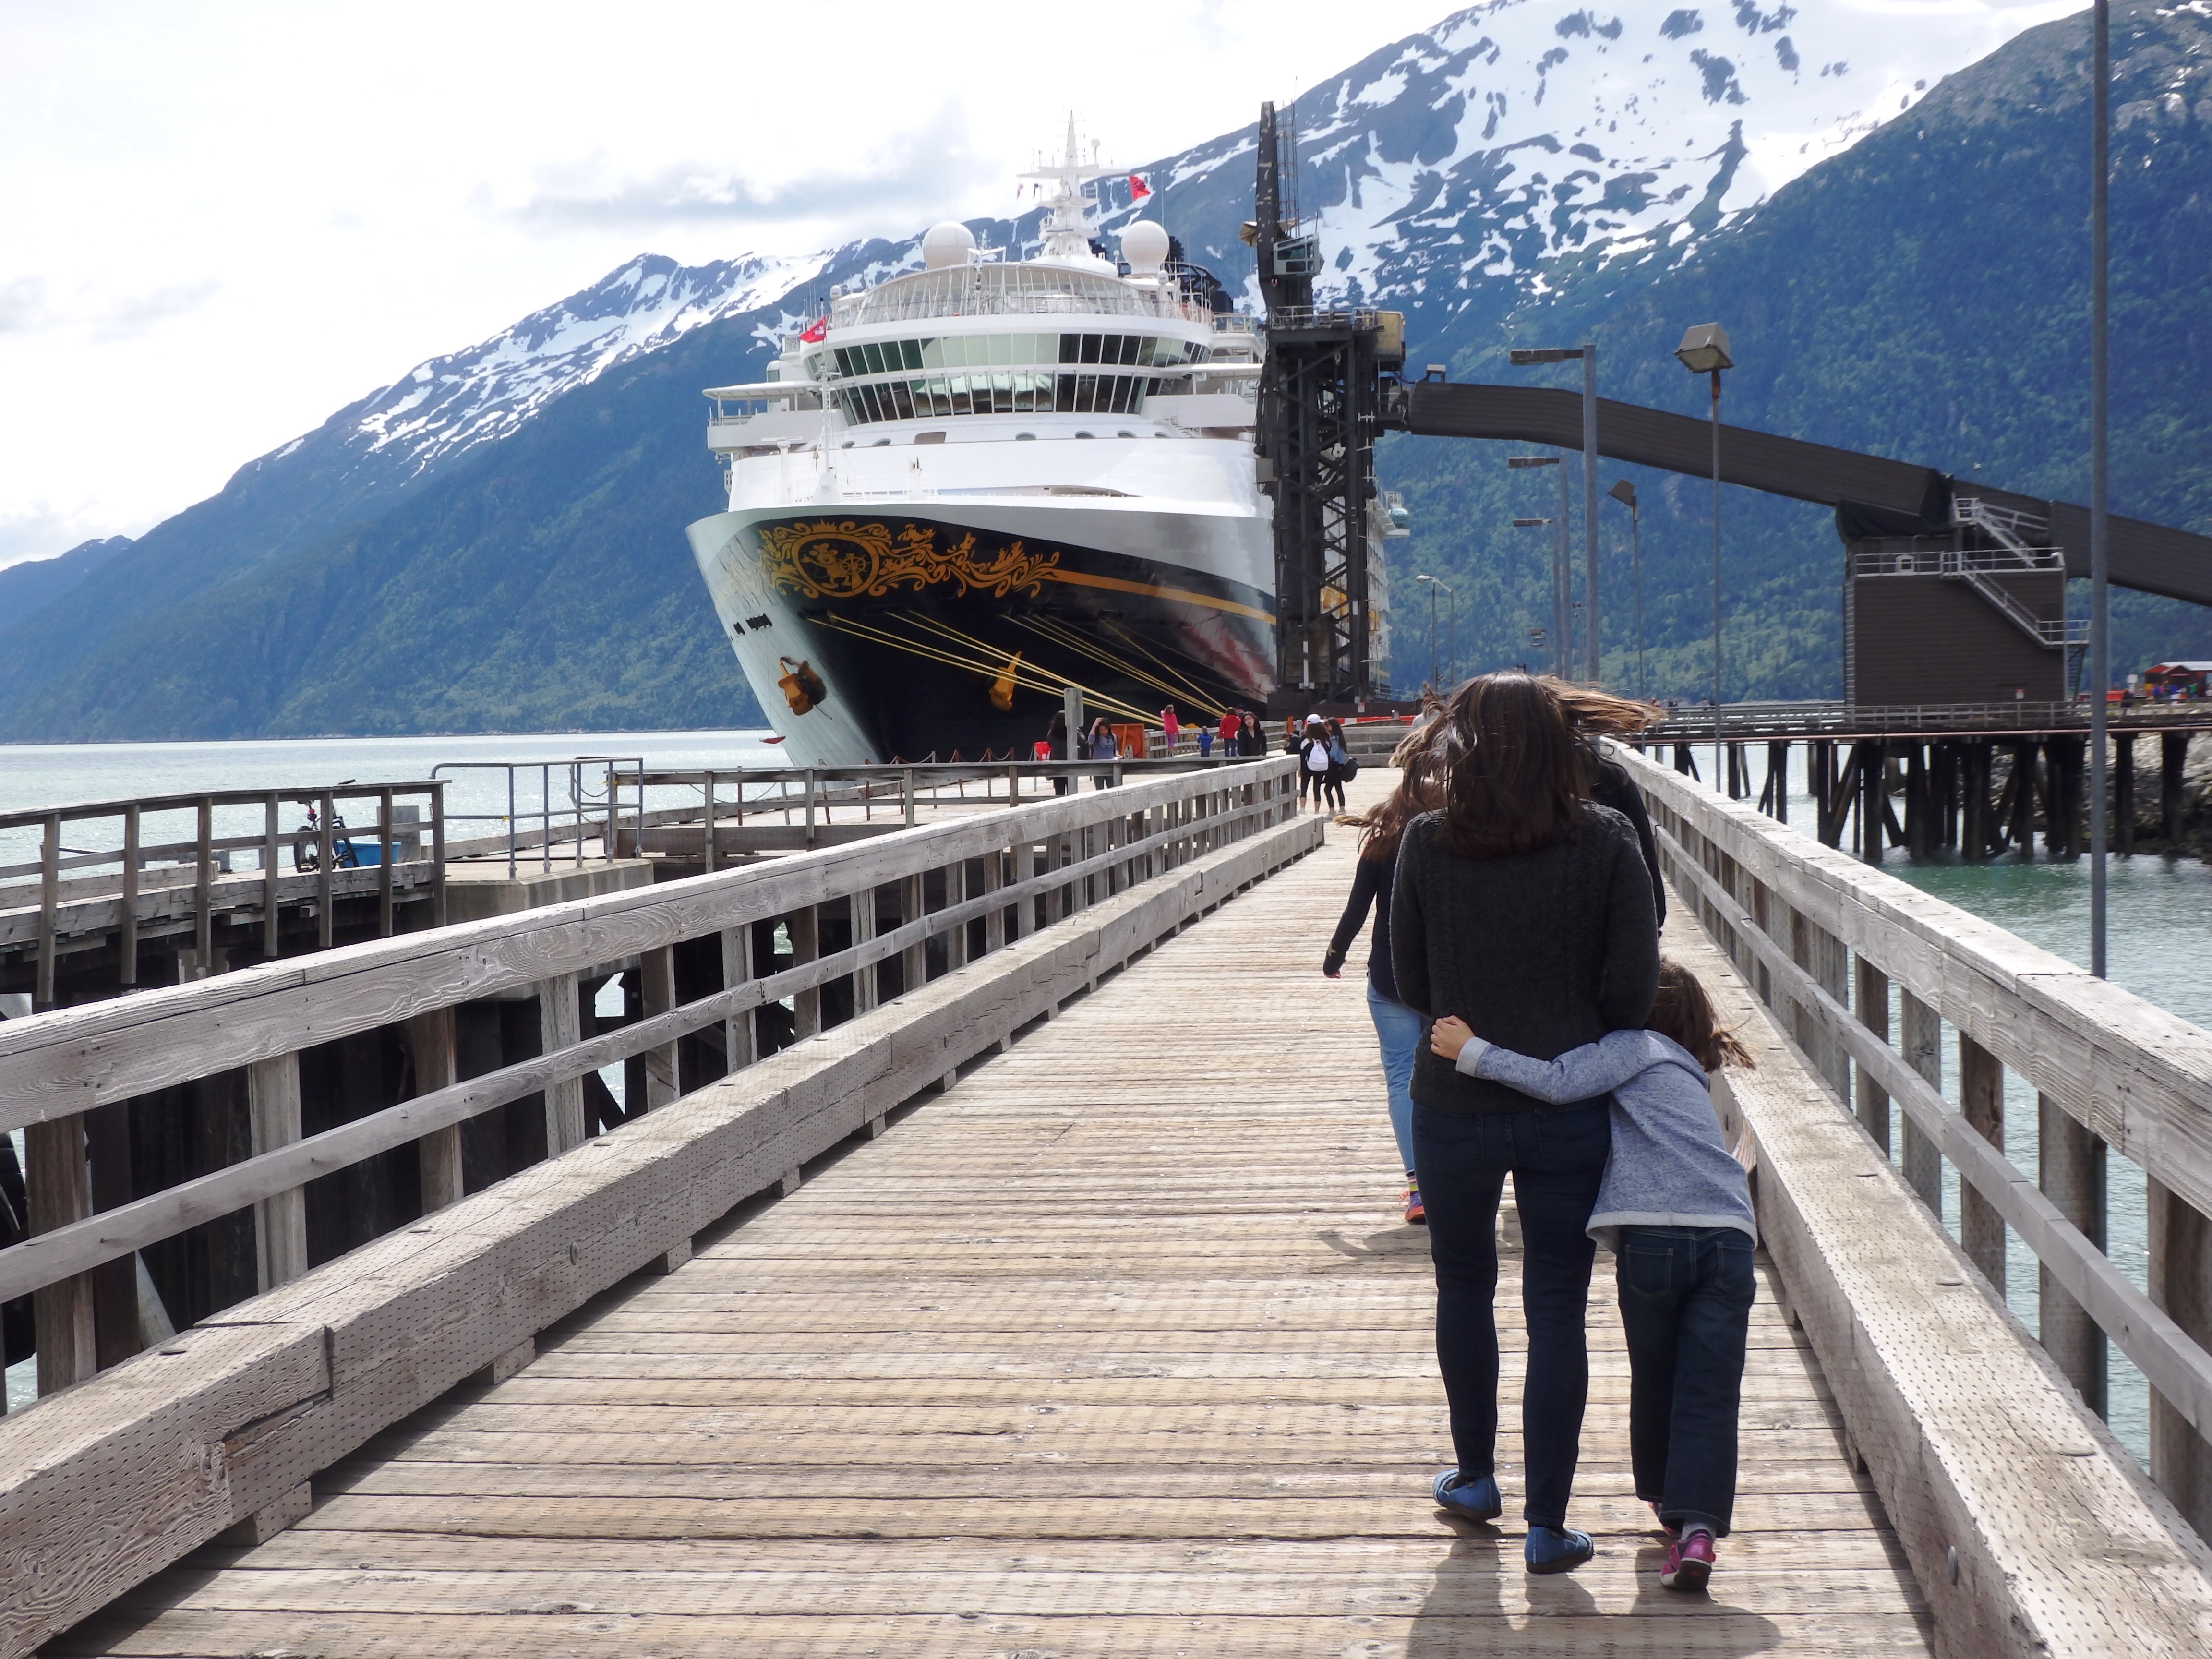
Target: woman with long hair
1398, 1029
1523, 908
1340, 766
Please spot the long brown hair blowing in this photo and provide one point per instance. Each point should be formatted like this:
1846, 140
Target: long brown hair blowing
1421, 789
1683, 1012
1595, 713
1518, 778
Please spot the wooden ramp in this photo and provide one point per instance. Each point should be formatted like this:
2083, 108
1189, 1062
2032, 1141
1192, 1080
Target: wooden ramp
1117, 1347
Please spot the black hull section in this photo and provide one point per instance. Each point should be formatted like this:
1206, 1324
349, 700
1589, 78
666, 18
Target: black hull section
924, 637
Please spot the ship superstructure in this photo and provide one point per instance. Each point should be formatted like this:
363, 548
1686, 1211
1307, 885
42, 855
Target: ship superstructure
972, 485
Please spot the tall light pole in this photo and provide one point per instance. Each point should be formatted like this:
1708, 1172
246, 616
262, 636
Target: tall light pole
1562, 638
2100, 664
1539, 634
1588, 353
1625, 493
1433, 585
1451, 661
1704, 351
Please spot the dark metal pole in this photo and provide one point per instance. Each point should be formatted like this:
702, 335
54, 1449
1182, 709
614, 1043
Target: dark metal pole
2101, 667
1717, 566
1589, 510
1636, 566
1432, 634
1562, 648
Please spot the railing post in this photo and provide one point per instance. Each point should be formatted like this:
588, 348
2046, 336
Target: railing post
1923, 1051
1873, 1002
561, 1025
860, 908
1021, 917
657, 989
2071, 1169
994, 919
438, 1154
203, 891
324, 921
57, 1191
737, 968
913, 960
272, 908
280, 1224
129, 942
383, 836
50, 882
1981, 1101
955, 939
2180, 1282
805, 928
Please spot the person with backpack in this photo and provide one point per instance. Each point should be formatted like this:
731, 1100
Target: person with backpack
1342, 766
1314, 766
1230, 724
1100, 743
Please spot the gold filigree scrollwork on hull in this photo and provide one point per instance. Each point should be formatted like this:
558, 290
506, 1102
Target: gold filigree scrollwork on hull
855, 559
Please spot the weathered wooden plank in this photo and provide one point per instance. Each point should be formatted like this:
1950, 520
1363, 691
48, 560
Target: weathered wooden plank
280, 1220
406, 1318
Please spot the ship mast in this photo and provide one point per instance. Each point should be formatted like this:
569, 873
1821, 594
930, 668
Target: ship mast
1067, 222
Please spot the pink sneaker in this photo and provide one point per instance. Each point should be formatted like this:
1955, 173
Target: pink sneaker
1689, 1562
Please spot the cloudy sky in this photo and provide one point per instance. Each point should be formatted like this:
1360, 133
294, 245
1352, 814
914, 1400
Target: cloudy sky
219, 221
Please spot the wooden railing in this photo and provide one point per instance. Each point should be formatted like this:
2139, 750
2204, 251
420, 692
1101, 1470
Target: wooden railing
225, 1423
1002, 875
1824, 938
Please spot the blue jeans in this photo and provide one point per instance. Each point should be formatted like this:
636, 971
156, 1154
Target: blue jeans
1556, 1156
1686, 1296
1398, 1033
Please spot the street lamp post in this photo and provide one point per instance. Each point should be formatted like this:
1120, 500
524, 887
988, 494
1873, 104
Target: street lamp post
1544, 636
1562, 637
1587, 352
2100, 662
1452, 661
1625, 493
1704, 351
1432, 585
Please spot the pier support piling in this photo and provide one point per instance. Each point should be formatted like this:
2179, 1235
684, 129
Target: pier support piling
2123, 817
2172, 759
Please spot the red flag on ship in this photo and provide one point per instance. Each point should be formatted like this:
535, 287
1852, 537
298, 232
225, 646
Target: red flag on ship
1140, 187
815, 332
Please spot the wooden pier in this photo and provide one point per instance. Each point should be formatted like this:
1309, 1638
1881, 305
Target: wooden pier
1053, 1300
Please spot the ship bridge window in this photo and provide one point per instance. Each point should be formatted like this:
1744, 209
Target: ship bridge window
950, 351
1004, 392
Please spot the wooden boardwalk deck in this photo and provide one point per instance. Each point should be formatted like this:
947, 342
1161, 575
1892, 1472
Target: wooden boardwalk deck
1117, 1347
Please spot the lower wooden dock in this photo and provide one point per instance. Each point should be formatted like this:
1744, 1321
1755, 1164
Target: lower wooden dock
1116, 1346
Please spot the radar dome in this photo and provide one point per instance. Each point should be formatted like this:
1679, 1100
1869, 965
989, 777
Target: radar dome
947, 245
1144, 246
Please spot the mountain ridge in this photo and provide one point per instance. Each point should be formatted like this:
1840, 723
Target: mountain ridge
512, 514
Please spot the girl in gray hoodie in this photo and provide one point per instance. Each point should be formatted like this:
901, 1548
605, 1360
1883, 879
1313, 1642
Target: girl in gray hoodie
1674, 1207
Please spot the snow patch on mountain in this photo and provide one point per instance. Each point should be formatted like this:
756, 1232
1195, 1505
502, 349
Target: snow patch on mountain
1519, 132
452, 404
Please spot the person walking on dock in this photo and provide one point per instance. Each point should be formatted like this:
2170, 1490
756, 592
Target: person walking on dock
1523, 908
1674, 1208
1340, 766
1055, 737
1397, 1028
1231, 720
1313, 763
1170, 727
1099, 742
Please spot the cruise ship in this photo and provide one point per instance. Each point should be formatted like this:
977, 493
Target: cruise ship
970, 487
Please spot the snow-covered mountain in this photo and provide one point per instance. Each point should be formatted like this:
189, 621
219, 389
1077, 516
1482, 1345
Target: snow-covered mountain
1480, 153
451, 404
1466, 159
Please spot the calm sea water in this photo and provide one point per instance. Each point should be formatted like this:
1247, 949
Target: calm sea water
2160, 909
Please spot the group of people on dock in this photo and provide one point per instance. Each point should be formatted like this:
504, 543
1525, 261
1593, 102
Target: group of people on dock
1530, 1029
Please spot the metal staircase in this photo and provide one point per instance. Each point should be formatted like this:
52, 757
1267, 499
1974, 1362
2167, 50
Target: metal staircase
1977, 567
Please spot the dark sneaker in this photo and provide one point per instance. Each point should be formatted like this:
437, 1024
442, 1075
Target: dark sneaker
1557, 1549
1415, 1215
1466, 1497
1689, 1562
1665, 1525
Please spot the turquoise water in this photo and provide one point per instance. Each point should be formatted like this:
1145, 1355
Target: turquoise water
2159, 945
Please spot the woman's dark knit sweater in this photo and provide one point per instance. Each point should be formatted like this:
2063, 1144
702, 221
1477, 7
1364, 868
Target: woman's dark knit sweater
1540, 952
